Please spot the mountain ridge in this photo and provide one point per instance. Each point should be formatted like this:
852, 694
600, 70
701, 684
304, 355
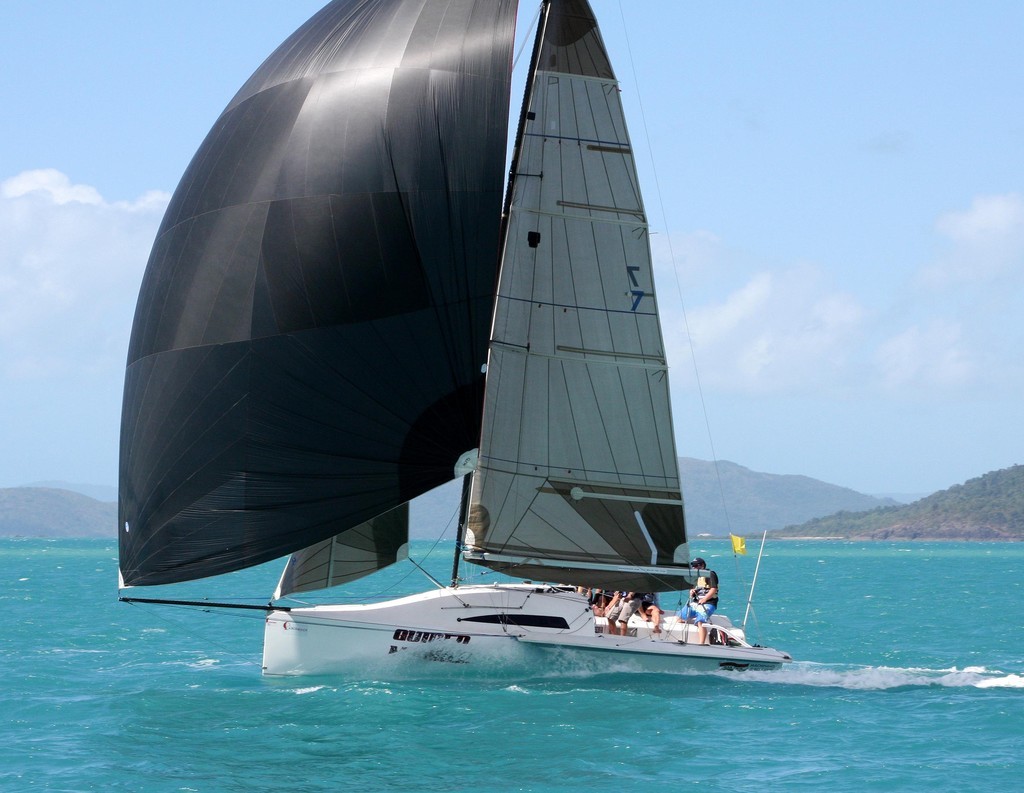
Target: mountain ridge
54, 513
719, 497
986, 508
725, 497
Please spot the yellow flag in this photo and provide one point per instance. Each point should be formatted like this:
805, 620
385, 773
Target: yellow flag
739, 545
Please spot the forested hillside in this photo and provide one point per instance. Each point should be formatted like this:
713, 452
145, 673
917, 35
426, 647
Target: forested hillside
724, 497
990, 507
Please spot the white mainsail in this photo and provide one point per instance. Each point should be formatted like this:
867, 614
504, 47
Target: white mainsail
578, 462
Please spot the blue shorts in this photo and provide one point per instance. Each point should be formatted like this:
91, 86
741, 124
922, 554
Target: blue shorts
699, 613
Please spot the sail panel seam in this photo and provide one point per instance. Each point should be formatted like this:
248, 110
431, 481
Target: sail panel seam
658, 366
633, 223
578, 307
513, 466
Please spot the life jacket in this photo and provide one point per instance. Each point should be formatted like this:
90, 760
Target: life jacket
703, 587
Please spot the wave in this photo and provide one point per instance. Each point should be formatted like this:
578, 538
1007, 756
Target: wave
308, 690
879, 678
1009, 681
551, 672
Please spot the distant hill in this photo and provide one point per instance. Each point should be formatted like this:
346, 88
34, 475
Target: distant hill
52, 512
99, 492
990, 507
726, 497
754, 502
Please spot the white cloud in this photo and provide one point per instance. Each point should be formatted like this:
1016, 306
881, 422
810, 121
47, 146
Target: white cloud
787, 329
780, 331
963, 331
933, 356
70, 268
989, 216
52, 184
692, 256
985, 242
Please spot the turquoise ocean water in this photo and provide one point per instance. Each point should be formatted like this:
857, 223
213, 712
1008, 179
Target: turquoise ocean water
909, 677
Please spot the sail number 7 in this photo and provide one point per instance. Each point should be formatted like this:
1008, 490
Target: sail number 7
638, 294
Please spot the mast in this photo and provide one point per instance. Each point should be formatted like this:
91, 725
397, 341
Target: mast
513, 170
467, 482
460, 535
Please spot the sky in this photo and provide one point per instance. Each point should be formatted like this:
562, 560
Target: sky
835, 194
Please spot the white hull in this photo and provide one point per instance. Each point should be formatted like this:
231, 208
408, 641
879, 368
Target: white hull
492, 625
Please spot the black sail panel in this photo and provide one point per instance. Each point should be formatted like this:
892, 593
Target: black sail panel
572, 43
309, 335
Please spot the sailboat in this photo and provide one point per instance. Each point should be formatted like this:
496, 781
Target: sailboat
347, 306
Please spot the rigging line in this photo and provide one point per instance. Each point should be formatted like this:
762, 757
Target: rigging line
189, 629
567, 219
526, 39
380, 593
423, 570
577, 307
675, 274
437, 541
531, 75
205, 605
